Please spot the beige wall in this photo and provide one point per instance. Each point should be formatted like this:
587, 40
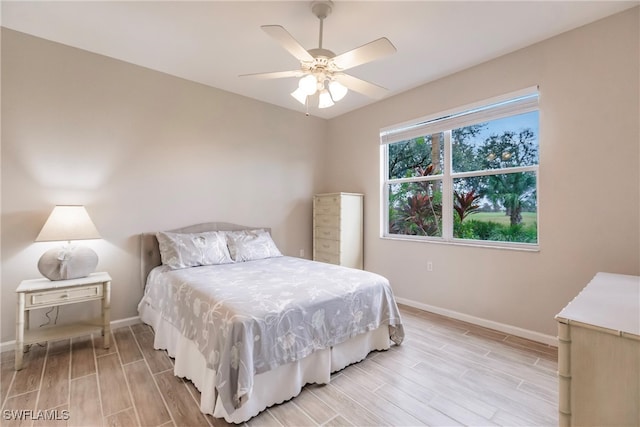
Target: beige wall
589, 181
146, 151
143, 151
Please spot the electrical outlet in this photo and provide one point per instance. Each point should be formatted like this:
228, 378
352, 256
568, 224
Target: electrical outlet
301, 253
429, 266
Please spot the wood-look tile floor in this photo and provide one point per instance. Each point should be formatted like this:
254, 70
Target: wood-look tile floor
446, 372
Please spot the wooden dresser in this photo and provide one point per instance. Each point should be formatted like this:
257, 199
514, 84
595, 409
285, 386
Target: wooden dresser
338, 229
599, 354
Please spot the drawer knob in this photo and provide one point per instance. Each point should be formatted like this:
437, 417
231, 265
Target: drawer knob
64, 296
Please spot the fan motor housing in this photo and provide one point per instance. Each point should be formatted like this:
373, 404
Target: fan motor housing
321, 53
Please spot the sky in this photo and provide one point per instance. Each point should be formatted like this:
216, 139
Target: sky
513, 123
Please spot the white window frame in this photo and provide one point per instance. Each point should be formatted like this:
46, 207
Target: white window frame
510, 104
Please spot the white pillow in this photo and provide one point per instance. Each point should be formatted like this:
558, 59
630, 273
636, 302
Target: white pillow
181, 250
249, 245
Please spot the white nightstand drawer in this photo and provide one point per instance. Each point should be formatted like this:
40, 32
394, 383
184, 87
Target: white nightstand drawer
62, 296
327, 233
327, 221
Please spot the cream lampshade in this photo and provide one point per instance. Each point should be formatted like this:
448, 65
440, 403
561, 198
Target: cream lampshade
68, 262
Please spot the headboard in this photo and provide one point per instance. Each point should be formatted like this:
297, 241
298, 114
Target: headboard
150, 251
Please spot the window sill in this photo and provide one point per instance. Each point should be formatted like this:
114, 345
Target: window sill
522, 247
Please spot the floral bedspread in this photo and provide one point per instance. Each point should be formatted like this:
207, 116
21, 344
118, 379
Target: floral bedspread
251, 317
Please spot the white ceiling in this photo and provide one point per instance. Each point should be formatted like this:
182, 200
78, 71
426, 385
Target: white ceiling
212, 42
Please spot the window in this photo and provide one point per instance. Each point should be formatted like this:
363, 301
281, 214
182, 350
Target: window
466, 176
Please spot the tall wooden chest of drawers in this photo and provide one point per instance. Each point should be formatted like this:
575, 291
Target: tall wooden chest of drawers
338, 229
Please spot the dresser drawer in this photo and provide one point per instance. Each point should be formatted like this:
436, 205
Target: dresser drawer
59, 296
327, 209
327, 246
331, 221
327, 200
327, 233
328, 258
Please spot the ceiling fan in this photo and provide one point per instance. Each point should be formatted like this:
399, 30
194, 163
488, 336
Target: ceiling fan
321, 71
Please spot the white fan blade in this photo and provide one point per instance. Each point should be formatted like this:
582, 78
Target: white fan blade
369, 89
287, 41
275, 74
366, 53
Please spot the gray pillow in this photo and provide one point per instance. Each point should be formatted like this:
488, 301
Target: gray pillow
249, 245
182, 250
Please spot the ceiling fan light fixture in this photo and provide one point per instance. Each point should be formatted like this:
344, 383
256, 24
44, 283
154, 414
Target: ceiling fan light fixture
322, 71
300, 96
337, 90
308, 84
325, 99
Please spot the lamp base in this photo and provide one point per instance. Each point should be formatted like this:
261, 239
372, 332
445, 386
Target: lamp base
68, 262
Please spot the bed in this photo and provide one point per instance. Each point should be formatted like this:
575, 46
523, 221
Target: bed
237, 329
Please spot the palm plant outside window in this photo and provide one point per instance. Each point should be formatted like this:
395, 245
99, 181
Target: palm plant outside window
466, 176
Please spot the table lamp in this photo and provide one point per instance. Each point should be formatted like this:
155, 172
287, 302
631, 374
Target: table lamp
68, 261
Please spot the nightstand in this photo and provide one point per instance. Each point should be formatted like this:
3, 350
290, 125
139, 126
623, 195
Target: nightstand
43, 293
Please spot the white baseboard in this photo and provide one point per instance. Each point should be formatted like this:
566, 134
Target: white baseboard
11, 345
507, 329
125, 322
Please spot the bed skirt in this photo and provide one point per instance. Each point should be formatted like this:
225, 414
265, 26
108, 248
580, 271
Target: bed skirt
290, 378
